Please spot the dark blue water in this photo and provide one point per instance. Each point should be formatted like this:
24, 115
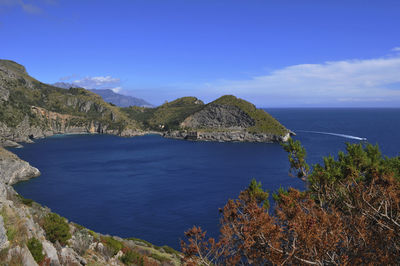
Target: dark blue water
155, 188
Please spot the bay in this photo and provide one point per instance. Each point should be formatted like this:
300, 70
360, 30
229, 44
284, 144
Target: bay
154, 188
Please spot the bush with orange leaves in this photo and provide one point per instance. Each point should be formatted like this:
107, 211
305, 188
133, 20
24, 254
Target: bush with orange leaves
349, 214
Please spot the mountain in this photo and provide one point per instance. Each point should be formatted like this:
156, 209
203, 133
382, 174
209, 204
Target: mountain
119, 99
32, 109
65, 85
110, 96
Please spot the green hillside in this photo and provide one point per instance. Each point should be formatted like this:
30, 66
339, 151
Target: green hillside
264, 122
167, 116
24, 92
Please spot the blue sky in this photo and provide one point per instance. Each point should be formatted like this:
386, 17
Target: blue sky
274, 53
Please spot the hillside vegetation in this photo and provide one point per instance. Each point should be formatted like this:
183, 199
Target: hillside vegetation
173, 116
264, 122
168, 116
21, 92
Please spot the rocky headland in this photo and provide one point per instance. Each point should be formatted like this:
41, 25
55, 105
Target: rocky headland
229, 123
227, 119
30, 109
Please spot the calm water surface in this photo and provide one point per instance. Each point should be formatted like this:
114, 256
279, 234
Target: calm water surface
155, 188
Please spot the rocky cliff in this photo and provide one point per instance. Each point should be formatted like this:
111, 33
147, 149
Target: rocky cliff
219, 116
22, 222
13, 169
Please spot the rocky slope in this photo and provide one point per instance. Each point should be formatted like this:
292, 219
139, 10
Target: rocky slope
23, 221
219, 116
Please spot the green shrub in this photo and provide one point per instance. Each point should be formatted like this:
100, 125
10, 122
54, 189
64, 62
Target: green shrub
159, 257
25, 201
113, 245
11, 232
36, 249
131, 257
78, 226
170, 250
56, 228
94, 234
146, 243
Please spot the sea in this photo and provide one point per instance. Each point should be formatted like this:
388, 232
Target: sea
155, 189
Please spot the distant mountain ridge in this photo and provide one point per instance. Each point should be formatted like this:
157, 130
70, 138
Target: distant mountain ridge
65, 85
110, 96
119, 99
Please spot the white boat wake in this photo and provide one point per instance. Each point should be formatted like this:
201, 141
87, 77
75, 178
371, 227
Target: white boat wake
334, 134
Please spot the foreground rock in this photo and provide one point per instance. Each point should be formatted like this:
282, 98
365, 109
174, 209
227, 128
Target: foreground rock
22, 220
13, 169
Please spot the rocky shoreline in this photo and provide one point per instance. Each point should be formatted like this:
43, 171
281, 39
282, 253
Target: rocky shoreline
22, 219
57, 124
29, 218
25, 133
231, 136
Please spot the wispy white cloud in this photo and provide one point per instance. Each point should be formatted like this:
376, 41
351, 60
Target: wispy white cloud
116, 89
396, 49
331, 83
30, 7
100, 82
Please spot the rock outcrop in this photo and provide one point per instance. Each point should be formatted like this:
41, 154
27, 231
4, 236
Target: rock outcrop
13, 169
219, 116
3, 235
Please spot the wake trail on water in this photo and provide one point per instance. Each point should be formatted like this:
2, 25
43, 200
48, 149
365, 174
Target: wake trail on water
333, 134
